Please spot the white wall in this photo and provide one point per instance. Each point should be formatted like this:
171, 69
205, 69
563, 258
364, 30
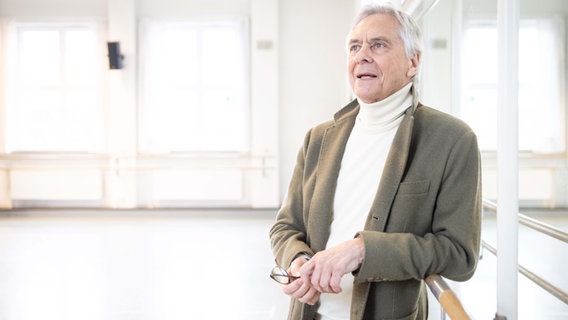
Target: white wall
312, 70
53, 8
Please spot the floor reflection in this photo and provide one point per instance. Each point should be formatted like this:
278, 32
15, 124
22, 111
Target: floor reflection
170, 265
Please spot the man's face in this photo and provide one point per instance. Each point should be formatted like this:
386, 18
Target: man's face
378, 64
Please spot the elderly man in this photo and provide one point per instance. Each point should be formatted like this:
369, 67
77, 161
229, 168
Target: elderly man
383, 195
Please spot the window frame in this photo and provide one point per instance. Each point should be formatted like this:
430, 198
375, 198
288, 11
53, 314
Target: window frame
560, 43
12, 84
143, 104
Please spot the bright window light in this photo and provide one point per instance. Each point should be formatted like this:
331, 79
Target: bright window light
54, 102
194, 87
541, 97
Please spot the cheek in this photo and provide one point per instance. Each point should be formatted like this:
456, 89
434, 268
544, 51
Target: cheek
350, 69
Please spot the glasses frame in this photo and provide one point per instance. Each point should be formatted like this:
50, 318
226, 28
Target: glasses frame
281, 276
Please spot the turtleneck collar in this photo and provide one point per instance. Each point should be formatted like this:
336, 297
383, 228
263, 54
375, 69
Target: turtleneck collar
384, 114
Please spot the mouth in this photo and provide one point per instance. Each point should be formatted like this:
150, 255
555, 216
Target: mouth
364, 76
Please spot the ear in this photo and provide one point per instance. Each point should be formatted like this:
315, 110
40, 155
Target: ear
413, 63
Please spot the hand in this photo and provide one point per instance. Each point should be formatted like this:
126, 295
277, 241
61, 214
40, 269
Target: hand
326, 268
300, 289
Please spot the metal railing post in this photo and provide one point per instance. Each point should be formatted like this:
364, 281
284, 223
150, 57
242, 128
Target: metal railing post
507, 159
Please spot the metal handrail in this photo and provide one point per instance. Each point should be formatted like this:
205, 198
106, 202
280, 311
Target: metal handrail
446, 297
542, 228
533, 224
550, 288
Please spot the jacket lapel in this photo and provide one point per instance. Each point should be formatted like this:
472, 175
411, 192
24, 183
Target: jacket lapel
329, 163
392, 174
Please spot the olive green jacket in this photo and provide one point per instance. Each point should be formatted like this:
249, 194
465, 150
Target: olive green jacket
425, 218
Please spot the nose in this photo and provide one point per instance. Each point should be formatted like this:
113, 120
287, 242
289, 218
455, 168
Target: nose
363, 54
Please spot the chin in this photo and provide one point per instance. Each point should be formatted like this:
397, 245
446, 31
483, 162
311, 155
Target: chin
365, 97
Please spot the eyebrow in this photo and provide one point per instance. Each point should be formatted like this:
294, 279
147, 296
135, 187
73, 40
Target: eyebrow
353, 41
372, 40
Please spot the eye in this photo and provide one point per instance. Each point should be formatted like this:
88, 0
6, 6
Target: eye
354, 47
378, 45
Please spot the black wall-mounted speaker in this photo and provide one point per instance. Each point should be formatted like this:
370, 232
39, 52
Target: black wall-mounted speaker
115, 58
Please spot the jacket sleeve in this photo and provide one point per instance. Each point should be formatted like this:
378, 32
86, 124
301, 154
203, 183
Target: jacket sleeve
288, 234
450, 244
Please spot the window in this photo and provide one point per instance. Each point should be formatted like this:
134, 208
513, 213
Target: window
194, 87
541, 93
54, 94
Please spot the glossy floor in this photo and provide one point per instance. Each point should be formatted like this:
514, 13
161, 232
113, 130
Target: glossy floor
179, 264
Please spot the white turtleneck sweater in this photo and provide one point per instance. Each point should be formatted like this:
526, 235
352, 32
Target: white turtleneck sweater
361, 170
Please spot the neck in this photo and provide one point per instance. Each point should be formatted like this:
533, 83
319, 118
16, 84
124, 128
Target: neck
384, 112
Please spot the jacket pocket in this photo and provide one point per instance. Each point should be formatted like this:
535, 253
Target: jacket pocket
395, 300
411, 209
412, 316
414, 187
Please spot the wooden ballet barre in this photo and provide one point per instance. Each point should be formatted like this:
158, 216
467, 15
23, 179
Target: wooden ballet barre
446, 297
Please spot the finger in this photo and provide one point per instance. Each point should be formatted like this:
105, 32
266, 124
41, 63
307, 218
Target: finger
292, 287
335, 283
303, 289
315, 298
311, 297
314, 268
296, 265
306, 272
315, 278
323, 282
306, 269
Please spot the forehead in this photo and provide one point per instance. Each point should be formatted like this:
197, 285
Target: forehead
376, 25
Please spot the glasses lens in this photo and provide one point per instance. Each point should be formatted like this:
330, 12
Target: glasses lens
280, 275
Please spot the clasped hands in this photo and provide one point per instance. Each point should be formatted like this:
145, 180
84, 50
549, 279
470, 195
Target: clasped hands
323, 272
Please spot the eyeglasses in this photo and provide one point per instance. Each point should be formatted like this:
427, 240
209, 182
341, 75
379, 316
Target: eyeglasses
280, 275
